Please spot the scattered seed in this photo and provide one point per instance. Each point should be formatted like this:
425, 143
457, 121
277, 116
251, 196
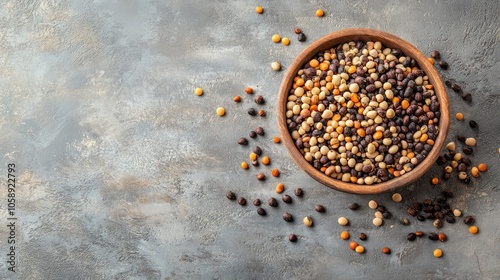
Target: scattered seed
272, 202
419, 233
252, 134
437, 223
467, 96
261, 211
397, 197
298, 192
360, 249
443, 64
372, 204
280, 188
276, 66
297, 30
434, 181
255, 163
319, 208
261, 176
242, 201
438, 253
276, 38
456, 88
404, 221
230, 195
292, 238
377, 222
288, 217
362, 236
433, 236
259, 99
256, 202
450, 219
237, 98
469, 220
472, 123
260, 131
386, 250
198, 91
442, 237
459, 116
265, 160
482, 167
276, 139
470, 141
308, 221
353, 245
473, 229
451, 146
431, 60
242, 141
435, 54
262, 113
457, 213
286, 199
244, 165
259, 9
275, 172
343, 221
320, 13
344, 235
285, 41
220, 111
248, 90
301, 37
411, 236
353, 206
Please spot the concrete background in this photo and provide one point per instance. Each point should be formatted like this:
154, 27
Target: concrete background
122, 170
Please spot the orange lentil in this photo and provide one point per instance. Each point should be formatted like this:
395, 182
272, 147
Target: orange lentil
347, 139
323, 66
337, 117
386, 250
434, 181
361, 110
285, 41
377, 135
431, 60
276, 139
265, 160
459, 116
253, 156
354, 179
299, 82
237, 98
314, 107
438, 253
357, 124
314, 63
336, 91
405, 104
320, 13
314, 99
430, 142
322, 169
249, 90
339, 129
482, 167
275, 172
328, 78
395, 99
280, 188
276, 38
244, 165
424, 137
361, 132
351, 69
396, 173
259, 9
353, 245
344, 235
357, 104
329, 85
410, 155
473, 229
360, 249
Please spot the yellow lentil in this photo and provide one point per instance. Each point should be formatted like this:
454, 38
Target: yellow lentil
431, 60
265, 160
259, 9
276, 38
360, 249
253, 156
344, 235
220, 111
244, 165
320, 13
474, 171
198, 91
459, 116
438, 253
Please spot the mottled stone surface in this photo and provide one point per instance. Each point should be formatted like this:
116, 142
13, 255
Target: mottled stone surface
122, 170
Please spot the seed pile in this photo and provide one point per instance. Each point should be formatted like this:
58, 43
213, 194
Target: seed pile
363, 113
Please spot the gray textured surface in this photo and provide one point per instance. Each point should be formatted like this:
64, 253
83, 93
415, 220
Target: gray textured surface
122, 170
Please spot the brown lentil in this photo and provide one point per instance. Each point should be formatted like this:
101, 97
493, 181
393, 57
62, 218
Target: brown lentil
242, 201
272, 202
262, 113
362, 236
386, 250
260, 131
442, 237
256, 202
261, 176
292, 238
230, 195
261, 211
237, 98
288, 217
298, 192
435, 54
286, 199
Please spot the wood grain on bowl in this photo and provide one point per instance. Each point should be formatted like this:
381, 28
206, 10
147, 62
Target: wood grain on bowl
388, 40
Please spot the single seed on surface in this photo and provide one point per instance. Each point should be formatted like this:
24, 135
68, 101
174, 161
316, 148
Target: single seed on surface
342, 221
362, 236
307, 221
360, 249
451, 146
298, 192
353, 245
198, 91
276, 38
261, 176
275, 172
372, 204
434, 181
265, 160
320, 13
473, 229
469, 220
276, 66
353, 206
237, 98
482, 167
276, 139
288, 217
230, 195
242, 201
285, 41
244, 165
457, 213
459, 116
261, 211
474, 171
438, 253
442, 237
259, 9
292, 238
220, 111
386, 250
470, 141
397, 197
319, 208
280, 188
248, 90
344, 235
377, 222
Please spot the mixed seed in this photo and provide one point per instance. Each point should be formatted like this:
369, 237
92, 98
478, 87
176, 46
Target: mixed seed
363, 113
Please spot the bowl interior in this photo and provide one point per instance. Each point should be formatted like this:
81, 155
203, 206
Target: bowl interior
387, 40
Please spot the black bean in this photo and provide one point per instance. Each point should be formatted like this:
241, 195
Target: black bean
261, 211
467, 97
288, 217
435, 54
440, 160
242, 201
292, 238
363, 236
319, 208
469, 220
301, 37
450, 219
447, 83
433, 236
417, 206
420, 218
443, 64
286, 199
272, 202
256, 202
411, 236
257, 150
259, 99
252, 112
298, 192
456, 88
461, 138
230, 195
472, 123
353, 206
447, 193
242, 141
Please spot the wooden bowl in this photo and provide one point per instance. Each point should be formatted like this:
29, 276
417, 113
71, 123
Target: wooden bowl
387, 40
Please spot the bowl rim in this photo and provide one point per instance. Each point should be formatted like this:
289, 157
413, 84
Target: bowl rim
388, 40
